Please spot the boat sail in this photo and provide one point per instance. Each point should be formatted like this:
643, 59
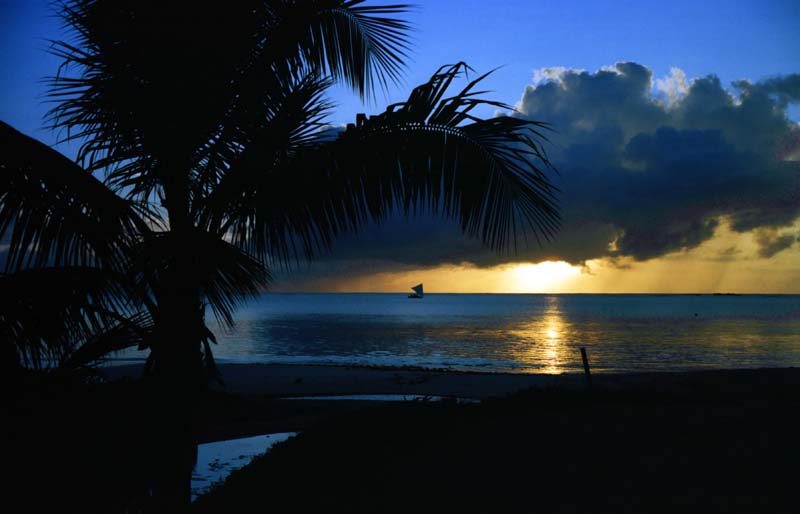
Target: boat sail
417, 291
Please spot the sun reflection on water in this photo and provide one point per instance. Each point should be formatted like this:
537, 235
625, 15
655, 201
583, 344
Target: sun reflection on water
542, 342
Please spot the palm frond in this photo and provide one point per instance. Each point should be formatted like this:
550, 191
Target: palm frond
132, 331
489, 174
47, 313
290, 128
146, 87
359, 45
58, 214
144, 84
429, 154
286, 123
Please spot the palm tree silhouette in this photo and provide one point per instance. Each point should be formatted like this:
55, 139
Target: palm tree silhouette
66, 300
207, 125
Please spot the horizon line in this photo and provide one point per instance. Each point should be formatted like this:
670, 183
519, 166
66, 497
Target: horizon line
533, 293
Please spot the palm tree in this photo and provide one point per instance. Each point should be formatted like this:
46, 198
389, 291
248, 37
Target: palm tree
206, 124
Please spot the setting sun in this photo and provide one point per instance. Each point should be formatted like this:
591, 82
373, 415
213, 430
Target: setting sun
548, 276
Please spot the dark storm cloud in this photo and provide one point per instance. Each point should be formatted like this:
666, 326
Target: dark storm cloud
642, 174
785, 89
664, 173
770, 242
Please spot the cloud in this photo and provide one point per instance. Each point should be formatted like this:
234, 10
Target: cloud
674, 87
554, 73
647, 167
770, 241
664, 173
730, 253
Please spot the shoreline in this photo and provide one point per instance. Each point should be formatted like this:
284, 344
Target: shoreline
256, 399
289, 379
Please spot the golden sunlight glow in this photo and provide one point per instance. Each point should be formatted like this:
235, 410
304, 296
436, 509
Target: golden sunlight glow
727, 263
545, 277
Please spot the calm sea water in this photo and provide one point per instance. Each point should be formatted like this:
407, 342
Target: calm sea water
519, 333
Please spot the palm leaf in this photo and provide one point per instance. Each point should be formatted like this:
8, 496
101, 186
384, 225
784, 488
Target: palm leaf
133, 331
291, 129
47, 313
490, 175
429, 154
147, 87
54, 213
360, 45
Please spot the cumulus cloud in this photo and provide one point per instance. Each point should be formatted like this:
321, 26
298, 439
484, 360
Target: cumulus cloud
664, 174
674, 86
554, 73
647, 167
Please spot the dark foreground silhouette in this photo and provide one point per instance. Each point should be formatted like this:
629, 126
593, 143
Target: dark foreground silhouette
698, 442
707, 442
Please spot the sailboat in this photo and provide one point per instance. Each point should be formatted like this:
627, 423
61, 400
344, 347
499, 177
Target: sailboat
417, 291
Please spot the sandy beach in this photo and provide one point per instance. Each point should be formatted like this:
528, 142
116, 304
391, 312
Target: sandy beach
286, 380
253, 398
289, 380
710, 441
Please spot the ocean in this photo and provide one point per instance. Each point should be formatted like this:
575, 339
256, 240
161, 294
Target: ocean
537, 333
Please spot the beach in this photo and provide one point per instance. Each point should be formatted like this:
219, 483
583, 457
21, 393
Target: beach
707, 441
253, 399
250, 400
287, 380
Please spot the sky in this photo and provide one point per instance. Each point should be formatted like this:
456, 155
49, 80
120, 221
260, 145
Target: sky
676, 143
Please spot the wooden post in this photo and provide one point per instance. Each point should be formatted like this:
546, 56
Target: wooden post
586, 367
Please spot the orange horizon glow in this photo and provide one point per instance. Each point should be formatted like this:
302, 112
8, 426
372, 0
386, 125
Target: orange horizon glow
727, 263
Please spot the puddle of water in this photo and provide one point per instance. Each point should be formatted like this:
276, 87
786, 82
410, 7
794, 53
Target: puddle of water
385, 398
215, 461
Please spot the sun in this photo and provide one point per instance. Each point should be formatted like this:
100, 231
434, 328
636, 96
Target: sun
543, 277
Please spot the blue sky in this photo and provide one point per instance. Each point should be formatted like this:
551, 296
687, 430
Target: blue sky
732, 39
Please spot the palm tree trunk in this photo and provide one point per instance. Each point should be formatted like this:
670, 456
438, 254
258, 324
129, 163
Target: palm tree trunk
178, 377
177, 383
